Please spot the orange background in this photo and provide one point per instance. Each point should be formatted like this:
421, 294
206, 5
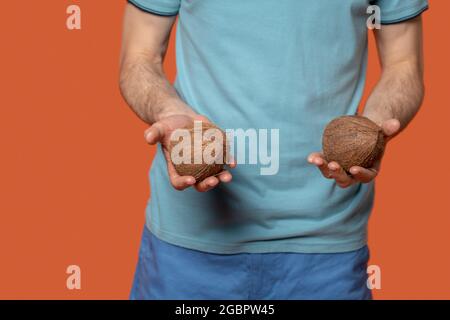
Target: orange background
74, 163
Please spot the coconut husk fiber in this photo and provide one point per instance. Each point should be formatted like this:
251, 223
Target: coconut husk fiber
353, 141
201, 171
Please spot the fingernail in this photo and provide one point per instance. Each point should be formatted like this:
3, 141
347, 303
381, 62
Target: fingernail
190, 181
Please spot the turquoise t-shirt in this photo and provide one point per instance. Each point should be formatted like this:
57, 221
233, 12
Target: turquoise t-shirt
291, 65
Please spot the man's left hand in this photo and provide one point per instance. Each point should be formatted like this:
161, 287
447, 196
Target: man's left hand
333, 170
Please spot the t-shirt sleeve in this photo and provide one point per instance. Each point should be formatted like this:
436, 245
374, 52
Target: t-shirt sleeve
159, 7
394, 11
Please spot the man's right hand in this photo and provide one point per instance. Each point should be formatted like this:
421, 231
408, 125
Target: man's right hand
160, 132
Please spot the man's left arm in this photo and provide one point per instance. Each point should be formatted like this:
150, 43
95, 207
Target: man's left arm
399, 93
395, 99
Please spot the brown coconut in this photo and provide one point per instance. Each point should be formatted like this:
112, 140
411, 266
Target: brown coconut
353, 141
201, 171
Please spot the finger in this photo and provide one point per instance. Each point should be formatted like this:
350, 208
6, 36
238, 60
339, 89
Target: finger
314, 155
207, 184
225, 177
230, 161
390, 127
181, 182
177, 181
317, 159
338, 174
362, 174
155, 133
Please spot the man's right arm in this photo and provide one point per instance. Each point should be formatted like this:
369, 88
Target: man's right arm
148, 92
142, 80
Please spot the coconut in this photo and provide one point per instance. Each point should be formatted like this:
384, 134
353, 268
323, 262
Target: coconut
212, 153
353, 141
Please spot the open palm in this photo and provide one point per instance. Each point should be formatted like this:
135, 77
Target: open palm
161, 131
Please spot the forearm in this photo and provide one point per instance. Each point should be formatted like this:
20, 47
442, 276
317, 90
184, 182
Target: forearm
147, 90
398, 94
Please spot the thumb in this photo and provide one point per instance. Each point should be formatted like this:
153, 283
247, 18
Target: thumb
390, 127
155, 133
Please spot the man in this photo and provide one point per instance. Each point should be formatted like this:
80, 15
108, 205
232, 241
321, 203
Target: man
292, 65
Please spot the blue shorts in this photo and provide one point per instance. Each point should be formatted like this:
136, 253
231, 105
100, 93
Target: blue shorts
165, 271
